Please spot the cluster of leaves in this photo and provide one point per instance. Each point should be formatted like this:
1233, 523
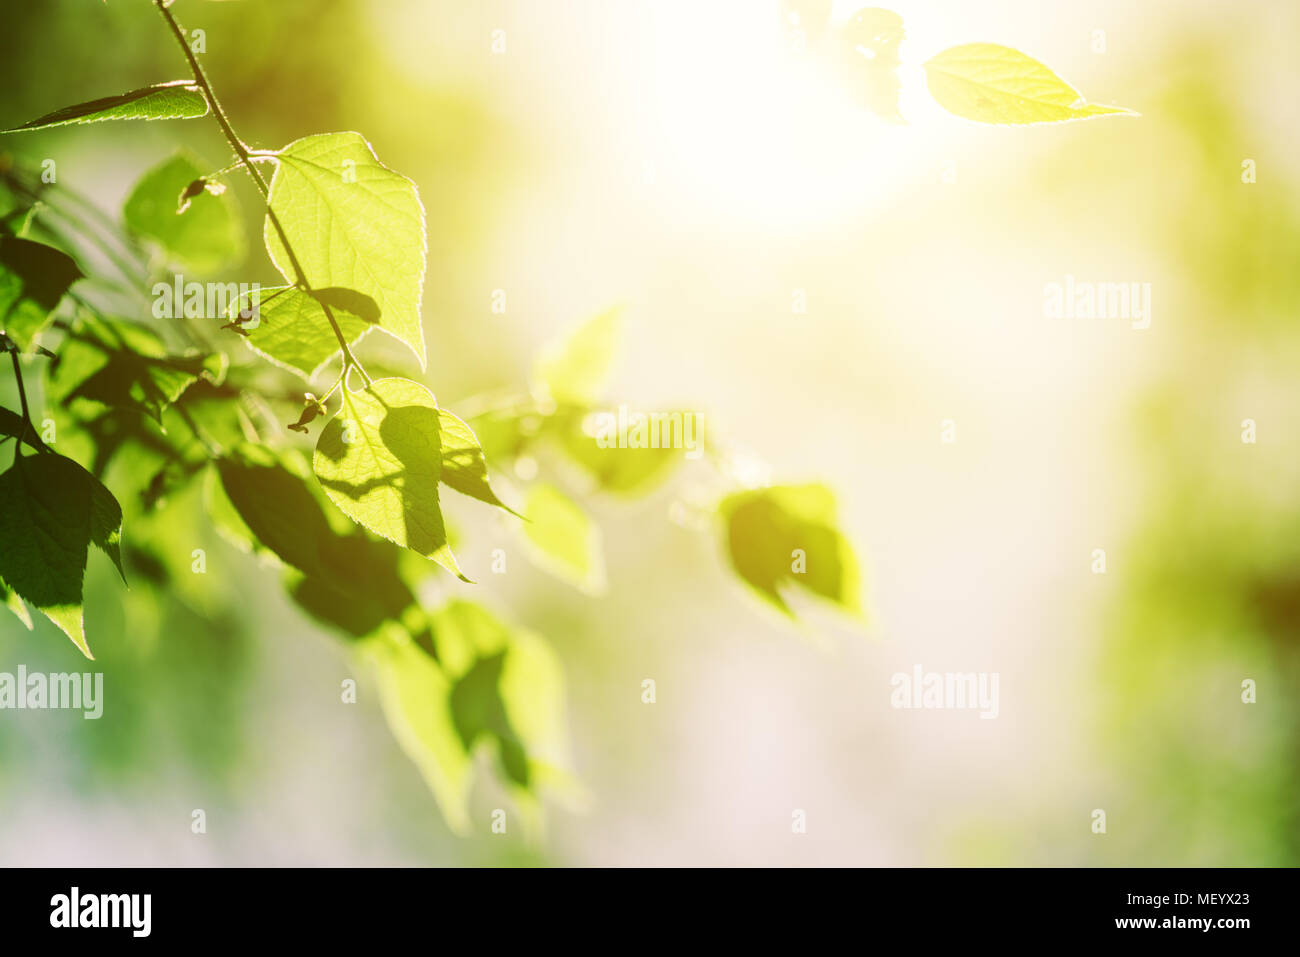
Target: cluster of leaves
984, 82
353, 519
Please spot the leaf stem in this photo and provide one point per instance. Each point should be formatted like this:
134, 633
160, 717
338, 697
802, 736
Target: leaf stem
246, 157
22, 397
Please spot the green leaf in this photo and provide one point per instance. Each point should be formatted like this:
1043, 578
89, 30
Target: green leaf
380, 460
996, 84
11, 423
33, 279
177, 100
10, 599
53, 510
564, 539
125, 366
574, 369
277, 509
293, 330
787, 535
203, 238
353, 223
464, 467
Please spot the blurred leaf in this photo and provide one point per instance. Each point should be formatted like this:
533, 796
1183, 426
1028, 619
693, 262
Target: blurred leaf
504, 434
294, 332
574, 369
490, 683
870, 43
177, 100
353, 223
477, 710
380, 459
53, 510
33, 279
630, 471
413, 691
206, 236
565, 540
787, 535
996, 84
125, 366
463, 466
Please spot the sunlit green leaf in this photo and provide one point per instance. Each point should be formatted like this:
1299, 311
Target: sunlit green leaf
464, 467
996, 84
564, 539
788, 536
33, 279
380, 460
206, 236
177, 100
9, 598
353, 223
293, 331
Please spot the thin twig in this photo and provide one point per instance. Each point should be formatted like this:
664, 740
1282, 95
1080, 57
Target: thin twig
242, 151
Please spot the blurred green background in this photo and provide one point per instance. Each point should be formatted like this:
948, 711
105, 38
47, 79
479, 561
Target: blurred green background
675, 158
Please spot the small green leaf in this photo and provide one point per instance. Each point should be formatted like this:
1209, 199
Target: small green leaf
564, 539
464, 467
293, 330
33, 279
574, 369
787, 535
54, 509
353, 223
380, 460
996, 84
177, 100
203, 238
10, 599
